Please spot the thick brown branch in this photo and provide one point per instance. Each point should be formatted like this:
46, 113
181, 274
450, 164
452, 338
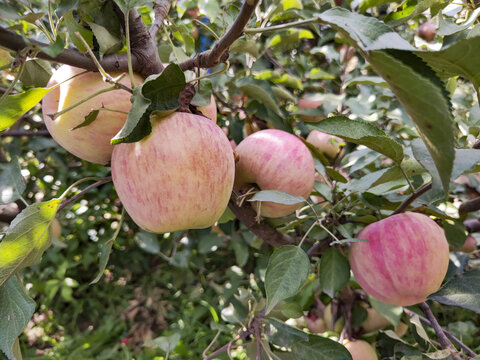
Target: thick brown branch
219, 52
472, 225
161, 7
247, 215
469, 206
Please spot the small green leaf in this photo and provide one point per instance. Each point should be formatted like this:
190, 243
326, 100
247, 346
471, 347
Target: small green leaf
165, 343
73, 27
12, 183
465, 160
148, 242
56, 48
91, 117
209, 243
109, 44
462, 291
334, 271
36, 73
288, 39
33, 17
16, 309
14, 106
320, 348
27, 237
287, 270
245, 45
450, 28
126, 5
362, 133
367, 80
277, 196
259, 90
283, 335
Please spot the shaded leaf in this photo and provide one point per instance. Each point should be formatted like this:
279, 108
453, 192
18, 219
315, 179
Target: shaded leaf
277, 196
12, 183
283, 335
147, 241
320, 348
16, 309
449, 28
390, 312
334, 271
259, 90
91, 117
287, 270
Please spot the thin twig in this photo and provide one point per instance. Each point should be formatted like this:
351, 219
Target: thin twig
427, 322
16, 133
444, 342
403, 206
84, 191
469, 206
242, 335
219, 53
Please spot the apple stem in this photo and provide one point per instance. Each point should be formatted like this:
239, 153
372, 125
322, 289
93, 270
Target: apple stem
445, 343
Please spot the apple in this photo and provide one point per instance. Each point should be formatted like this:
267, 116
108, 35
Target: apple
274, 160
179, 177
56, 229
310, 102
374, 321
315, 325
427, 31
328, 320
361, 350
325, 143
401, 329
470, 245
404, 260
210, 110
91, 142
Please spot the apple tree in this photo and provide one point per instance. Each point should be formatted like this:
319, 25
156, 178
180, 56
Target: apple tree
284, 179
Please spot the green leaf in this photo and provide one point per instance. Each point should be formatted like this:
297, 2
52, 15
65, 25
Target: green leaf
367, 80
91, 117
422, 155
73, 27
126, 5
245, 45
367, 33
166, 343
318, 74
425, 99
204, 96
465, 160
362, 133
12, 183
450, 28
32, 17
277, 196
390, 312
36, 73
56, 48
104, 255
209, 243
288, 39
334, 271
320, 348
286, 271
14, 106
455, 232
16, 309
410, 10
283, 335
109, 44
148, 242
462, 291
460, 58
259, 90
27, 237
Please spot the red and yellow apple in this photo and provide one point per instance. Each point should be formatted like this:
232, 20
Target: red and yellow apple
404, 260
470, 245
91, 142
361, 350
325, 143
210, 110
310, 102
179, 177
315, 325
374, 321
275, 160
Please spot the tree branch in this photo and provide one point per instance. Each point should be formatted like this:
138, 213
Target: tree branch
16, 133
84, 191
469, 206
427, 322
472, 225
403, 206
219, 53
247, 215
446, 344
161, 7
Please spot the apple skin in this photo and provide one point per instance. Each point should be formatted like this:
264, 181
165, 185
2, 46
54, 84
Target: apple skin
470, 245
427, 31
210, 110
275, 160
374, 321
328, 320
91, 142
361, 350
309, 102
323, 144
179, 177
404, 261
315, 325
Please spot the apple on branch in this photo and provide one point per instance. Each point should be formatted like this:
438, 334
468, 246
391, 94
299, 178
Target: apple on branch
325, 143
274, 160
179, 177
310, 101
90, 142
361, 350
404, 260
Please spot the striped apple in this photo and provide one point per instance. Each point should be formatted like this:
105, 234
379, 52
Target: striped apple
179, 177
275, 160
404, 261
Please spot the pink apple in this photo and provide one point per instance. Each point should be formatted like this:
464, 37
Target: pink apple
427, 31
470, 245
361, 350
325, 143
404, 261
210, 110
275, 160
310, 102
315, 325
91, 142
179, 177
